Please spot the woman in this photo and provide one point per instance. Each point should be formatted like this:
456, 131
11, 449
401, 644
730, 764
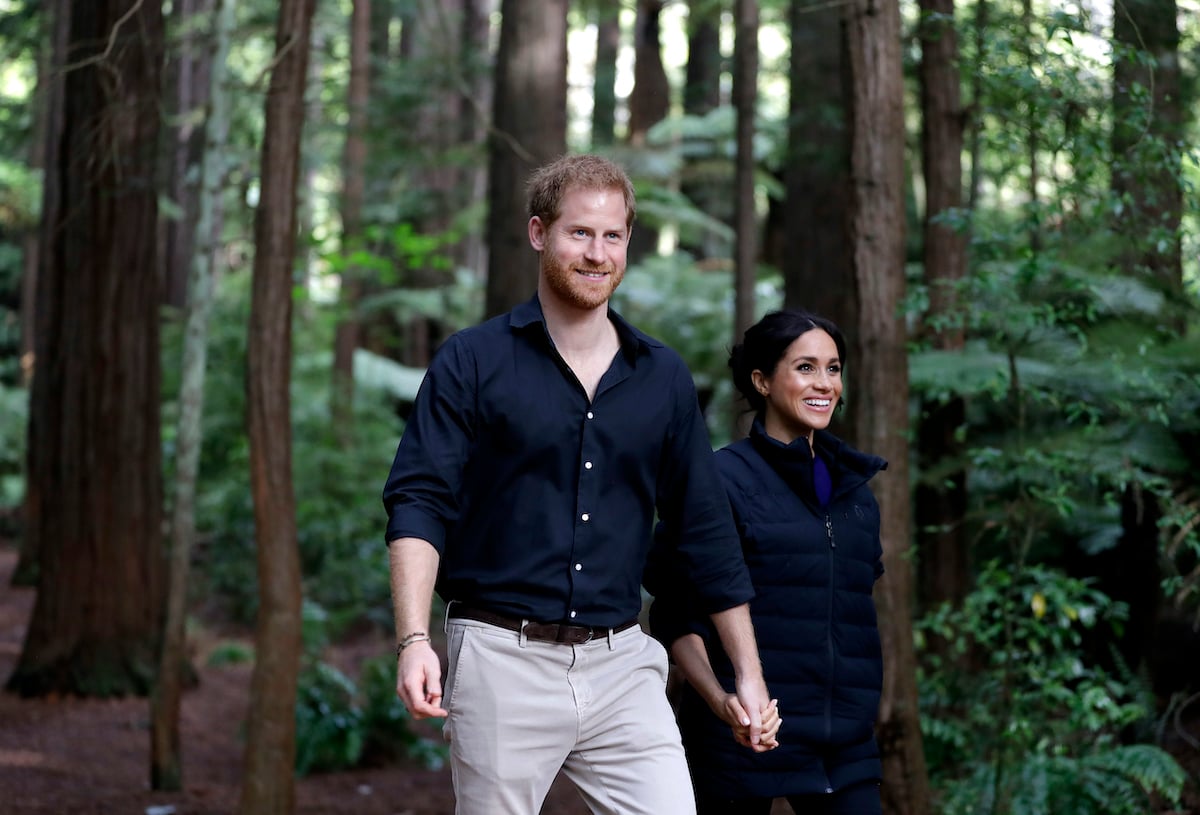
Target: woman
810, 535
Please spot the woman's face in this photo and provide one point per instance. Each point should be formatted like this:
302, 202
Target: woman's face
803, 390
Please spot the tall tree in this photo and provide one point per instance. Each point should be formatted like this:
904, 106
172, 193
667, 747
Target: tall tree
705, 178
34, 317
166, 762
745, 100
95, 470
529, 115
815, 256
702, 88
649, 104
1147, 179
941, 501
879, 369
347, 335
608, 42
188, 88
269, 787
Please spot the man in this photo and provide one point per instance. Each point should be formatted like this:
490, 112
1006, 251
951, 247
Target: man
524, 489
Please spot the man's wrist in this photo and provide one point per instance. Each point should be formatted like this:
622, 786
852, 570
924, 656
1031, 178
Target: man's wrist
410, 639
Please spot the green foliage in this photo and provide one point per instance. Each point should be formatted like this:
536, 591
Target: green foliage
338, 511
690, 308
230, 653
342, 724
1015, 721
329, 730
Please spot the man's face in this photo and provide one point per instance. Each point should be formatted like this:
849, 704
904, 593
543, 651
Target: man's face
583, 250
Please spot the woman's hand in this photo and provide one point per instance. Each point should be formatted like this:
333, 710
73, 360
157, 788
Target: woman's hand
729, 710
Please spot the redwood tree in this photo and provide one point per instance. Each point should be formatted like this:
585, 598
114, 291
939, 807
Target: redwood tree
529, 129
269, 787
815, 254
95, 468
941, 501
879, 370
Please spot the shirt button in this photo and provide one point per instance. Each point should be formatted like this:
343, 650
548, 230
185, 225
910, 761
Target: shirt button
578, 567
587, 465
572, 615
585, 516
589, 414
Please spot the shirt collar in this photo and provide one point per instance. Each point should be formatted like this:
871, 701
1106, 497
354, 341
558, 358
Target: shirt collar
632, 340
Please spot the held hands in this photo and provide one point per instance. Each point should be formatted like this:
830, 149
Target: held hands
729, 709
419, 680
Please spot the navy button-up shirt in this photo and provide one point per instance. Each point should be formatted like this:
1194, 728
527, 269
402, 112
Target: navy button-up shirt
540, 503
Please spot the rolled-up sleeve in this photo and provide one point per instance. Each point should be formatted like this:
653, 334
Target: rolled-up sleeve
421, 495
694, 509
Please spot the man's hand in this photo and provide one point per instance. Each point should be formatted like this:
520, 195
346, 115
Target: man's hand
419, 681
729, 709
754, 699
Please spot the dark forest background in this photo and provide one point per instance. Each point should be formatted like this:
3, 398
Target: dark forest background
233, 232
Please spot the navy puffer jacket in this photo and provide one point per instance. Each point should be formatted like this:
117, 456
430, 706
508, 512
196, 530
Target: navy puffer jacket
813, 570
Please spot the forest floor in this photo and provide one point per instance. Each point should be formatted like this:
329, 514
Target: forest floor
70, 756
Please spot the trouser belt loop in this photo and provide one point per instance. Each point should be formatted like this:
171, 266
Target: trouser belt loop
611, 646
523, 637
446, 618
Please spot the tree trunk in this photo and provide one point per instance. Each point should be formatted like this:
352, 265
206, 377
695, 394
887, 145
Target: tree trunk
166, 762
95, 471
604, 105
702, 85
269, 787
745, 99
816, 255
649, 104
189, 75
348, 332
529, 129
705, 178
1147, 179
941, 501
34, 316
879, 372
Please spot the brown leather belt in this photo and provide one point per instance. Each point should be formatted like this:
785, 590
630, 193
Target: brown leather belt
562, 633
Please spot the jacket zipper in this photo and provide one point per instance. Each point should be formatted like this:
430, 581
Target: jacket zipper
829, 632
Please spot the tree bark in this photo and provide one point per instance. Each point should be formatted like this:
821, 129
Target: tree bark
815, 258
529, 129
702, 84
705, 179
95, 469
166, 761
649, 104
941, 501
604, 105
34, 315
269, 787
189, 81
879, 373
745, 100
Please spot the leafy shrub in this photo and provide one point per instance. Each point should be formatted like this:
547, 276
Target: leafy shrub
340, 724
1015, 722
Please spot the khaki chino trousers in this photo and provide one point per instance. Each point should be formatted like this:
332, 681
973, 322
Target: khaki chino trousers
521, 710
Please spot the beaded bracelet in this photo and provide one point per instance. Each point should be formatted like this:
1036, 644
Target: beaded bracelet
416, 636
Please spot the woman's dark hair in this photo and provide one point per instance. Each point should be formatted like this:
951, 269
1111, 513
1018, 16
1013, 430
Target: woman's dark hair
765, 343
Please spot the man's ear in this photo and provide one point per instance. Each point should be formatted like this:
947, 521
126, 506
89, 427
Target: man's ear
537, 233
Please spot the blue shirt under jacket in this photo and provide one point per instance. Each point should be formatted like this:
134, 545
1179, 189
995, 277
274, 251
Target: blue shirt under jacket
541, 503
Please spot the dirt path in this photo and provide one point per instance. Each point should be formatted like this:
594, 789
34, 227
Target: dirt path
63, 756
